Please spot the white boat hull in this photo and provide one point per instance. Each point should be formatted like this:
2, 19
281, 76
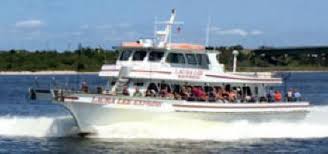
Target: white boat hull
91, 111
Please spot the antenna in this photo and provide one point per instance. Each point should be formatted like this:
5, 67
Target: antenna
155, 27
208, 29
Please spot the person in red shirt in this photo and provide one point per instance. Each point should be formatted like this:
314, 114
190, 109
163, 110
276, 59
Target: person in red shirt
277, 96
199, 93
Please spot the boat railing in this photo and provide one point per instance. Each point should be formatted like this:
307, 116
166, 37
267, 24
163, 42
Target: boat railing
59, 95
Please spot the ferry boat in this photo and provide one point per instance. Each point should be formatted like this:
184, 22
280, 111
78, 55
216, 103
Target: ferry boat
150, 74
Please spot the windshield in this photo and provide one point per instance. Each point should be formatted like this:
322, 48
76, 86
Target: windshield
139, 55
156, 55
125, 55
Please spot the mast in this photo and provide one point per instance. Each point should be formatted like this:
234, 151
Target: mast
164, 37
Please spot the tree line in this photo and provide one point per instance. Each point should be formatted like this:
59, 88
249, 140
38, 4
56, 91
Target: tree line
91, 59
83, 59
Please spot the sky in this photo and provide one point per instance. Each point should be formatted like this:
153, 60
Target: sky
63, 24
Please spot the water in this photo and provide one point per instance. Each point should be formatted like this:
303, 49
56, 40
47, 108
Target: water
44, 127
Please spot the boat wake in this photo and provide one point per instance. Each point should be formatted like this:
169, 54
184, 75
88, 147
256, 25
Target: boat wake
37, 126
313, 126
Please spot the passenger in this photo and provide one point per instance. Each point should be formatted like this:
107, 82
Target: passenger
270, 95
148, 93
84, 87
212, 95
125, 91
137, 92
232, 96
184, 93
290, 95
263, 99
163, 91
198, 93
248, 98
277, 96
225, 95
201, 94
194, 92
169, 95
99, 90
297, 95
192, 96
177, 96
219, 94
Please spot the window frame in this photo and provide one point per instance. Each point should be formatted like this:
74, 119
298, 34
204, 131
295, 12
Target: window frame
126, 58
176, 53
157, 60
139, 51
188, 59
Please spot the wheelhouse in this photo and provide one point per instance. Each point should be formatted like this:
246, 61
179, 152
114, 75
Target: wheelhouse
173, 58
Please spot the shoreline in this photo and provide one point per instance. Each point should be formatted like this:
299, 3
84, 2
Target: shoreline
46, 73
95, 73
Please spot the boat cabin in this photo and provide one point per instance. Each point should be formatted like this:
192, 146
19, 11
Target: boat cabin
160, 66
197, 59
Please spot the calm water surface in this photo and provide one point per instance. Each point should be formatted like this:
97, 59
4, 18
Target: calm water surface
43, 127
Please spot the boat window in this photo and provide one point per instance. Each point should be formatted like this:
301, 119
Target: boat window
138, 84
191, 58
139, 55
156, 55
176, 58
125, 55
202, 59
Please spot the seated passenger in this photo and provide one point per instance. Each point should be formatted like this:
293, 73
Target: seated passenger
200, 94
125, 91
163, 92
270, 95
277, 96
184, 93
225, 95
177, 96
263, 99
84, 87
219, 94
212, 95
99, 90
150, 93
137, 92
232, 96
248, 98
290, 95
169, 95
297, 95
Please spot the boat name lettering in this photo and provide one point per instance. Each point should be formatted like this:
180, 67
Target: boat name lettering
121, 101
193, 74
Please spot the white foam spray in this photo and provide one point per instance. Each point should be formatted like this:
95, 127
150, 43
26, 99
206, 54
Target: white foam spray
315, 125
37, 126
